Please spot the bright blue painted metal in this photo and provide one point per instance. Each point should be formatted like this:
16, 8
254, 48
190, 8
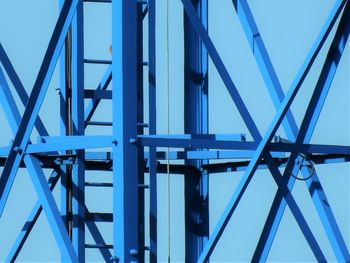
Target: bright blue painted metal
152, 113
9, 69
38, 177
98, 238
253, 130
213, 143
263, 60
277, 95
8, 103
275, 90
78, 125
64, 143
35, 100
205, 142
225, 76
306, 130
50, 208
30, 222
140, 130
269, 134
128, 141
91, 107
125, 175
63, 97
196, 117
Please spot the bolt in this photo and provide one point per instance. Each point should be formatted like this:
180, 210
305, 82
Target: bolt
17, 149
114, 259
133, 252
58, 91
132, 141
115, 142
71, 159
58, 160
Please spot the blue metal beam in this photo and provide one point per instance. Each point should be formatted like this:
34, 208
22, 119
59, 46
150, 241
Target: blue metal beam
125, 175
65, 170
270, 133
37, 176
11, 73
277, 95
306, 130
152, 129
50, 208
91, 107
30, 222
178, 141
95, 233
78, 126
225, 76
140, 130
196, 122
252, 129
35, 100
64, 143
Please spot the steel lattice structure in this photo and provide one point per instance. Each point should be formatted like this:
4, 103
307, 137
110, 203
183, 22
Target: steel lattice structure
134, 152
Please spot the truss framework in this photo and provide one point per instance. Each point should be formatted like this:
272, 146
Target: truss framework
68, 156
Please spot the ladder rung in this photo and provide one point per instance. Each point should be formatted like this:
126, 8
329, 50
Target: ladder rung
99, 217
98, 246
99, 184
97, 61
99, 123
98, 1
98, 94
145, 125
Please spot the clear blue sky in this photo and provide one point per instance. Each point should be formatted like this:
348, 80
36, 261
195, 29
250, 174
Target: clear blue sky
288, 29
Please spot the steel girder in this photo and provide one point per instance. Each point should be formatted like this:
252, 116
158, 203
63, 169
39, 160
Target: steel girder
66, 154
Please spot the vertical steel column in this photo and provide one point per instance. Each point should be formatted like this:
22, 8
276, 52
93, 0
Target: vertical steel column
196, 122
140, 127
125, 175
65, 87
78, 127
152, 127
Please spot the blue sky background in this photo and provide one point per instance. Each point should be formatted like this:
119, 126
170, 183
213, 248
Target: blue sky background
288, 29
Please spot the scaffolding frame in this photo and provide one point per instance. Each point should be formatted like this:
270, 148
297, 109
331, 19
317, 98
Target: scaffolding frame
68, 157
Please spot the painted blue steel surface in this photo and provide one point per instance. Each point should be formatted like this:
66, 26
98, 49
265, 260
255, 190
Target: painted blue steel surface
306, 130
152, 113
196, 186
140, 129
63, 132
98, 238
91, 107
5, 61
289, 124
70, 143
273, 127
35, 100
128, 141
125, 175
78, 125
50, 208
38, 177
30, 222
225, 76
